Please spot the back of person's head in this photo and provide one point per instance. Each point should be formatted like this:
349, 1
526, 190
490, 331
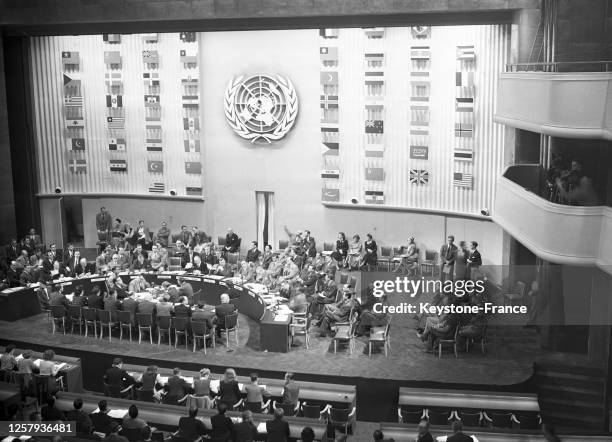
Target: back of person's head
51, 400
205, 372
48, 355
457, 426
279, 413
145, 432
9, 348
225, 298
78, 403
254, 377
133, 411
289, 376
222, 408
247, 416
117, 361
230, 375
27, 354
307, 434
176, 371
152, 369
102, 406
378, 435
193, 412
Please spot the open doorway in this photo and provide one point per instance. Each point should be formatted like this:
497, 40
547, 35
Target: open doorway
73, 215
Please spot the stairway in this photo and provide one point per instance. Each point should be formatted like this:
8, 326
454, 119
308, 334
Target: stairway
571, 396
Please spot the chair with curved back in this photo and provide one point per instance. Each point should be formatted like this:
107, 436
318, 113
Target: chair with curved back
410, 415
448, 342
282, 245
144, 395
380, 335
180, 329
341, 418
125, 320
328, 248
313, 411
231, 325
500, 420
288, 409
200, 330
346, 332
430, 262
469, 418
105, 320
145, 324
385, 257
75, 317
299, 327
58, 314
221, 241
164, 326
439, 417
529, 421
90, 318
481, 338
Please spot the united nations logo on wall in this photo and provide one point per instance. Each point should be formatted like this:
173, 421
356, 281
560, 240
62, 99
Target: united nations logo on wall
261, 107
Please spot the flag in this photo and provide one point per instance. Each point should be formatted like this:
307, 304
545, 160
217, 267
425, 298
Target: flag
154, 147
332, 173
114, 101
150, 78
329, 78
78, 122
77, 166
374, 150
375, 174
113, 81
118, 165
374, 77
374, 58
116, 144
330, 195
462, 179
374, 32
420, 53
419, 152
464, 104
419, 130
419, 74
192, 146
187, 37
188, 56
150, 57
111, 38
72, 87
462, 154
328, 53
191, 124
78, 143
374, 197
193, 190
329, 101
374, 126
420, 31
464, 130
70, 57
329, 129
328, 33
151, 100
155, 166
75, 101
466, 52
193, 167
112, 57
464, 79
116, 122
330, 149
157, 188
150, 38
419, 176
190, 100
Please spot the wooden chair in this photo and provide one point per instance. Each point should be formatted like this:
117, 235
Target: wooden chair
105, 319
481, 339
386, 255
75, 317
430, 262
145, 324
448, 342
221, 241
175, 264
439, 417
288, 409
91, 319
346, 333
231, 325
180, 329
341, 418
58, 314
313, 411
517, 294
299, 327
407, 415
200, 330
125, 320
380, 335
469, 419
328, 248
164, 325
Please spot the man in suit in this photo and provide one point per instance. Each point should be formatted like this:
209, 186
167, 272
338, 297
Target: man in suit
113, 433
255, 393
43, 296
101, 420
129, 304
117, 377
338, 312
104, 224
143, 236
204, 313
448, 254
84, 267
57, 297
309, 244
78, 415
71, 262
291, 390
34, 238
232, 242
222, 310
198, 267
423, 434
253, 253
197, 237
50, 412
184, 236
222, 426
12, 275
245, 431
68, 254
208, 256
474, 260
94, 300
189, 427
12, 251
47, 265
458, 435
278, 428
182, 310
156, 261
176, 388
163, 234
138, 284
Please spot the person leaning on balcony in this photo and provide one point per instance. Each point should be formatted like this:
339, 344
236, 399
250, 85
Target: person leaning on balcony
581, 191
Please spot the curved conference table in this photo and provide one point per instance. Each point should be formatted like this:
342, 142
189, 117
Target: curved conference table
22, 302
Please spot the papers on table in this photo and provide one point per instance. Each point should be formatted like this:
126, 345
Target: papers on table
215, 383
281, 318
19, 358
261, 428
70, 297
215, 277
257, 288
119, 413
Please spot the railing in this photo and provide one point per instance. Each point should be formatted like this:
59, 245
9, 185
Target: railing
561, 66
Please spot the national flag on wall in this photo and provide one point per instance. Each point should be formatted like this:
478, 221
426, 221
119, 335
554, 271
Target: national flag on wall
78, 143
193, 167
328, 33
328, 53
329, 129
420, 31
154, 166
330, 195
154, 146
191, 124
150, 57
188, 56
116, 122
420, 130
418, 152
464, 104
464, 130
329, 78
462, 154
151, 100
374, 151
157, 188
464, 79
70, 57
118, 165
374, 32
150, 79
187, 37
192, 146
462, 179
112, 57
374, 197
193, 191
75, 123
117, 144
329, 101
190, 100
466, 52
419, 176
374, 58
330, 149
72, 86
331, 173
76, 101
150, 38
374, 126
374, 77
420, 53
114, 101
77, 166
111, 38
374, 173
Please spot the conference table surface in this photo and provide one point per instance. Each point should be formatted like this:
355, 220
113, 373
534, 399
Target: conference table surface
166, 417
468, 399
337, 395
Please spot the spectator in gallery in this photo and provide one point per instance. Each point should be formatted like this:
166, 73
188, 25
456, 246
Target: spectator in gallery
448, 254
150, 378
143, 236
78, 415
423, 434
458, 435
201, 390
190, 427
131, 420
253, 253
163, 234
341, 251
229, 390
101, 420
222, 425
245, 431
255, 393
354, 253
278, 428
291, 390
370, 257
176, 388
474, 260
378, 436
576, 188
113, 433
104, 224
232, 242
50, 412
307, 435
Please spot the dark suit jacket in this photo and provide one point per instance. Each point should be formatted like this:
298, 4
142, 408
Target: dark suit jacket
177, 387
253, 255
232, 242
57, 298
101, 422
222, 311
459, 437
291, 393
191, 428
130, 305
278, 430
79, 416
182, 311
452, 254
12, 254
118, 377
94, 301
245, 432
229, 392
51, 413
222, 427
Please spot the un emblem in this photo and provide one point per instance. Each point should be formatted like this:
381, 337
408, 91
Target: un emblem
261, 107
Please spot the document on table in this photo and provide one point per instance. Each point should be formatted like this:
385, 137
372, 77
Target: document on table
118, 413
261, 428
281, 318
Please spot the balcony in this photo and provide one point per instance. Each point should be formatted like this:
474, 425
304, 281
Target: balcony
560, 104
557, 233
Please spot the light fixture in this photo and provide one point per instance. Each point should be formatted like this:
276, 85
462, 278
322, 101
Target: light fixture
485, 212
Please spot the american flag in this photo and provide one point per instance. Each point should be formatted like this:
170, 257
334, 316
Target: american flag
419, 176
466, 53
462, 179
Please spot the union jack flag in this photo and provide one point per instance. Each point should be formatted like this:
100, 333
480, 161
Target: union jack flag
418, 176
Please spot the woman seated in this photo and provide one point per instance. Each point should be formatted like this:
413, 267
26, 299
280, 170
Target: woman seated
370, 257
409, 259
201, 390
354, 253
341, 251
